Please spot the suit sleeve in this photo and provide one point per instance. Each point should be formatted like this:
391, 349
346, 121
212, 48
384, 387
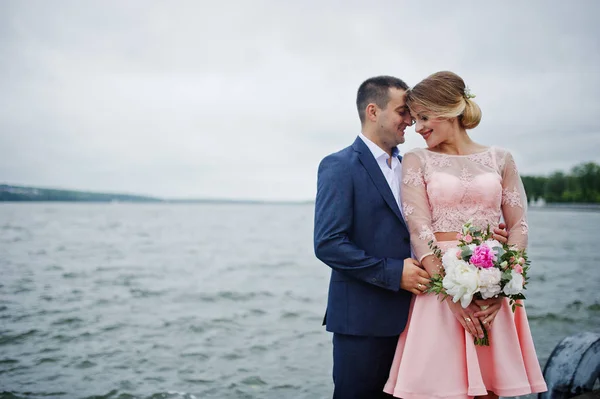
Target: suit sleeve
334, 210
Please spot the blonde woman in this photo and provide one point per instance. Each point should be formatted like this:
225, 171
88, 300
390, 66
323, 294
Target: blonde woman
452, 181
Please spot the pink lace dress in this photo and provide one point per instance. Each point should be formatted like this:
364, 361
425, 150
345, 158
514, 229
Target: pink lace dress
435, 356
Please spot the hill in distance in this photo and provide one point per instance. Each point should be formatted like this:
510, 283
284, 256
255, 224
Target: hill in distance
12, 193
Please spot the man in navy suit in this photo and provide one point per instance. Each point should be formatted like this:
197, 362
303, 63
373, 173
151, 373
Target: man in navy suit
361, 234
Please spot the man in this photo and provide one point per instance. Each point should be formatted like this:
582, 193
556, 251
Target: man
361, 234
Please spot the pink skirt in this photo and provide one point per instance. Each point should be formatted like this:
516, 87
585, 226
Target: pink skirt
436, 357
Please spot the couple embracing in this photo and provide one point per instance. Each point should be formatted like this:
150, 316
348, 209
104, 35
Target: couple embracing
376, 213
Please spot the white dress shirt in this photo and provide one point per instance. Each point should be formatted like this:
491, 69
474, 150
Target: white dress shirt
393, 173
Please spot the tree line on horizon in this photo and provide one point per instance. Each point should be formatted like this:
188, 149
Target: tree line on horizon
580, 185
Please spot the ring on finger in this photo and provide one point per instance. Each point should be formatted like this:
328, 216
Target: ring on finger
467, 319
420, 285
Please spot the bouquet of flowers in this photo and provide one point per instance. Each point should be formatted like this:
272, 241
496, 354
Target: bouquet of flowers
480, 267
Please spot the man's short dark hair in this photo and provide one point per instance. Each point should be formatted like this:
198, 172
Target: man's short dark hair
376, 90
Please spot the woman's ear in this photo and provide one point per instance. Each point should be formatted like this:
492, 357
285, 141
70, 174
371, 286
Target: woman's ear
455, 120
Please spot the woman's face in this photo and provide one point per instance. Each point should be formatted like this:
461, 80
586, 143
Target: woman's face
434, 130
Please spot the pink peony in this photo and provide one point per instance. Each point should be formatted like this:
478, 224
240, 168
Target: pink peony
458, 236
521, 261
518, 269
468, 238
483, 256
458, 254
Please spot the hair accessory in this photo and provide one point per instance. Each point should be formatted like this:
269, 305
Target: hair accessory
468, 94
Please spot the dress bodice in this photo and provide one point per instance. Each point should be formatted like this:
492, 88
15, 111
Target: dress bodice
441, 192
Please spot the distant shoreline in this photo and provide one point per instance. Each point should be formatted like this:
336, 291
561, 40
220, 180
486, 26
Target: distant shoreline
547, 207
14, 194
566, 206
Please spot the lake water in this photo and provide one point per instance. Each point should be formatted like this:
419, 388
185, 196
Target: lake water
212, 300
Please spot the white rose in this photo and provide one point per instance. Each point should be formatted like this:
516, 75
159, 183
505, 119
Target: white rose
449, 260
515, 285
489, 282
461, 283
493, 243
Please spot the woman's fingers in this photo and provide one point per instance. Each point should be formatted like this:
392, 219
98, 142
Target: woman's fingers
466, 318
462, 322
474, 327
487, 320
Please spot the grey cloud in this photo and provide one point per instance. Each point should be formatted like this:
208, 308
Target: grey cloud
241, 100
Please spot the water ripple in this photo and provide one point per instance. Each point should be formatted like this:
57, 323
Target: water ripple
6, 338
151, 302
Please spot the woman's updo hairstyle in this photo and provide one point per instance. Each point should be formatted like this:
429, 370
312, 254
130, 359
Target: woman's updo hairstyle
445, 95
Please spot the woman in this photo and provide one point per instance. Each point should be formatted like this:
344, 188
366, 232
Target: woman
452, 181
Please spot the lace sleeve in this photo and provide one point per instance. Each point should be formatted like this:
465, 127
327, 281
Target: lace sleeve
514, 204
415, 205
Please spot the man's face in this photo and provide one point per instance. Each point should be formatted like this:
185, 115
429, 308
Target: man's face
394, 119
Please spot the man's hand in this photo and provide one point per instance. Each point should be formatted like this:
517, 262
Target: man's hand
414, 278
500, 234
487, 315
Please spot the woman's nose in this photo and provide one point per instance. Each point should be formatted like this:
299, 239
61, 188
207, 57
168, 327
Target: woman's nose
418, 126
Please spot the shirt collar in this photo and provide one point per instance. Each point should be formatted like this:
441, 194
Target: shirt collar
376, 150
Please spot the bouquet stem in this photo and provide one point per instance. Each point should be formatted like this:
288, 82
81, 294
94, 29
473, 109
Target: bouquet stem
485, 341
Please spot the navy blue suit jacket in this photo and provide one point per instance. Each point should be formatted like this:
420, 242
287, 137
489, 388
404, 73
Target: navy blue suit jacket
360, 233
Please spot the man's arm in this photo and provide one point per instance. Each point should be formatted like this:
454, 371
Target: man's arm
333, 223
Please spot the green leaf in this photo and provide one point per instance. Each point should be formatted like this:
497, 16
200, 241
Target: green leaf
466, 252
500, 251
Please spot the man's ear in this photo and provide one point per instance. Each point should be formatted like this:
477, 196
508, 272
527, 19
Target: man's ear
371, 112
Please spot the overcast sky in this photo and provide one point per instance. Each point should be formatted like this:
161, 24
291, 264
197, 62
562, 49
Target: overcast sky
242, 99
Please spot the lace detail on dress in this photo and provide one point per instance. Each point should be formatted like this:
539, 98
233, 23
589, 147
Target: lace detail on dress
439, 160
426, 233
441, 192
514, 168
414, 178
501, 162
524, 227
446, 218
483, 158
466, 177
512, 198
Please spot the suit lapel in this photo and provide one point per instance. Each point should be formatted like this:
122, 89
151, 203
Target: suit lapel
370, 164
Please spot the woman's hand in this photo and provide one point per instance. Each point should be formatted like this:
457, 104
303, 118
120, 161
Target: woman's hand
466, 317
489, 310
500, 234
